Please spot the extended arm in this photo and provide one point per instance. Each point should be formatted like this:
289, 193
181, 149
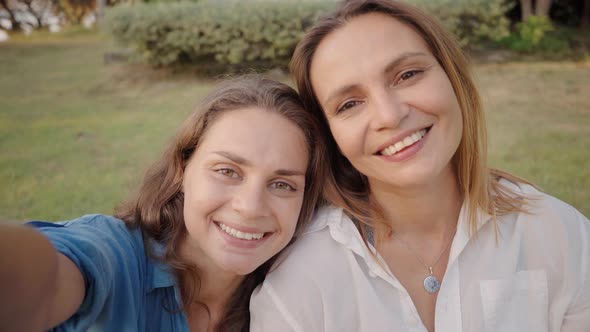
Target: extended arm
40, 288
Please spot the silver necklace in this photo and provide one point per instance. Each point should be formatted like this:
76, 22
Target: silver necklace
431, 282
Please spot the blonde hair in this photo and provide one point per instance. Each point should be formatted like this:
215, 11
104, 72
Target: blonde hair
346, 187
158, 206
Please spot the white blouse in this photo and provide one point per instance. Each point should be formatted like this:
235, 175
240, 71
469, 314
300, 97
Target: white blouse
533, 277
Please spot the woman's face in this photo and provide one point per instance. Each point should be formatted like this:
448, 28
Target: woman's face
243, 190
390, 105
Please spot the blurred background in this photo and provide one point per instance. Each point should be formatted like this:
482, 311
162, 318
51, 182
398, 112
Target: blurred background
92, 90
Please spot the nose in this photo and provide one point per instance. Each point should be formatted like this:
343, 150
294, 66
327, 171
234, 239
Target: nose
250, 200
388, 110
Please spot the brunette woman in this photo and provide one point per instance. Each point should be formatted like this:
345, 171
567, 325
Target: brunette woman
240, 178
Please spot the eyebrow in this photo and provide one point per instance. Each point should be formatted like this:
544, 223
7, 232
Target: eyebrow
243, 161
390, 67
233, 157
403, 57
340, 92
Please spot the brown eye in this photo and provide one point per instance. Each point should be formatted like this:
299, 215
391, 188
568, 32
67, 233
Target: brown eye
347, 105
409, 74
280, 185
230, 173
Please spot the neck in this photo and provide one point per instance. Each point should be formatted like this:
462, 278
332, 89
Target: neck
430, 209
215, 286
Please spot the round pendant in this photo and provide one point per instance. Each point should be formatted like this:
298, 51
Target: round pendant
431, 284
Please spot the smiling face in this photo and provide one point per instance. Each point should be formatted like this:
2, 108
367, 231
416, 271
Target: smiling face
390, 105
243, 190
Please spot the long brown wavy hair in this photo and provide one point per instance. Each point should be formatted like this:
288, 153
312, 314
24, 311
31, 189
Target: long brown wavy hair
158, 206
346, 187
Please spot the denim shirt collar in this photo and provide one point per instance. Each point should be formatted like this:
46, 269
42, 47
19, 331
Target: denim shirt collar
161, 275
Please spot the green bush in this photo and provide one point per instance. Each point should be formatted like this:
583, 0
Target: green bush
226, 34
536, 34
471, 21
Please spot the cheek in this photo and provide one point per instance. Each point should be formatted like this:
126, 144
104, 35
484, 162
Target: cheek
455, 117
450, 102
289, 215
458, 123
348, 137
454, 127
445, 105
202, 199
436, 94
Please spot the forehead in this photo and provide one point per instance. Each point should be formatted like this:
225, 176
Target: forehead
364, 44
259, 135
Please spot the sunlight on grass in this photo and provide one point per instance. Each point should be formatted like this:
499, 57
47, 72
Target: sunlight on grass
76, 135
539, 120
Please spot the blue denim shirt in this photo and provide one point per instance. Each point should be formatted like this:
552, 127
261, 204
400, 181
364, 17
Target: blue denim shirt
126, 290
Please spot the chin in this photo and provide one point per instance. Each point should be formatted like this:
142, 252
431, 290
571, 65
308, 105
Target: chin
240, 268
417, 175
407, 179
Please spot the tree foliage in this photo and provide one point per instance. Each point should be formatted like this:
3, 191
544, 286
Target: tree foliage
76, 10
26, 12
38, 14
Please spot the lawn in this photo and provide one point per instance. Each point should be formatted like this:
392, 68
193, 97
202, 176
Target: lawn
539, 123
76, 135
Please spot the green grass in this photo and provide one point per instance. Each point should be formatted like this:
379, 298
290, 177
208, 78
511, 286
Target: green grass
76, 135
539, 120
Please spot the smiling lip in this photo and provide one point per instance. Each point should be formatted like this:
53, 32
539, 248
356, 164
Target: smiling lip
242, 243
400, 137
408, 151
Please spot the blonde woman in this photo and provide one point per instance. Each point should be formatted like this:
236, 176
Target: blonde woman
423, 235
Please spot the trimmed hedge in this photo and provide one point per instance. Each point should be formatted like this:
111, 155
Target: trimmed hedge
264, 33
225, 32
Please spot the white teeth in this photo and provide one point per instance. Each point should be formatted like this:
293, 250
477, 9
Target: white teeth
404, 143
240, 235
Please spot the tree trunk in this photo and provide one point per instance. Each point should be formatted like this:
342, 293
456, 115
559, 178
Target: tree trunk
542, 7
100, 12
585, 22
526, 9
